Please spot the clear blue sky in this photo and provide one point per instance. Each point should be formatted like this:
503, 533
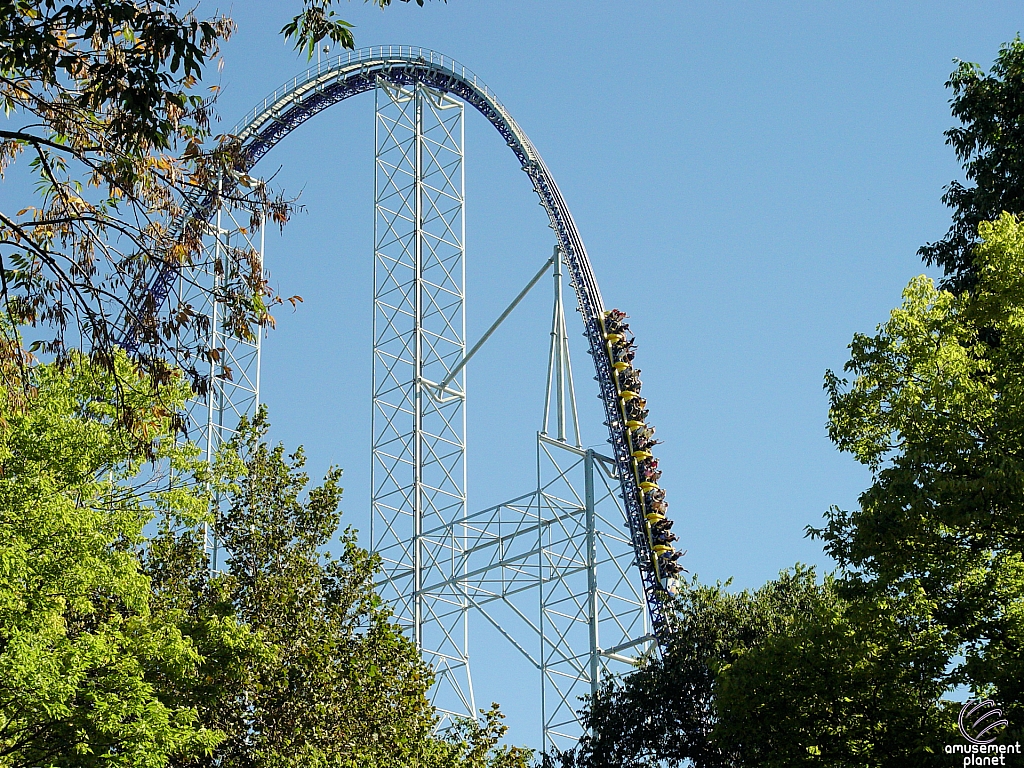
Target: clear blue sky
752, 181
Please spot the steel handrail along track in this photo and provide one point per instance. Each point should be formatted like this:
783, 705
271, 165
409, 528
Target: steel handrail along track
350, 74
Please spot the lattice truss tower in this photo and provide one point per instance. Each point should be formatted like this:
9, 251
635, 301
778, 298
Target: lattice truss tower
551, 570
233, 247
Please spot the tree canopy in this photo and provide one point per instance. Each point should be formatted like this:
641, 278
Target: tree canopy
789, 674
119, 646
990, 143
936, 410
83, 656
108, 118
106, 113
335, 681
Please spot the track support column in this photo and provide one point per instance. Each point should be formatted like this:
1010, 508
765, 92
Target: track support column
232, 252
592, 606
418, 475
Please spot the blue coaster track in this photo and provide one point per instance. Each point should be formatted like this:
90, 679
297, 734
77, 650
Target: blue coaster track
350, 74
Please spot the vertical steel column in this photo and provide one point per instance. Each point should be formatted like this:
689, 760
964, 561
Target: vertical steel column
214, 400
213, 344
418, 474
231, 253
560, 367
417, 419
592, 608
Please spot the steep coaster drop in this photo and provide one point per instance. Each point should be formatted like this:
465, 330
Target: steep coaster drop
659, 553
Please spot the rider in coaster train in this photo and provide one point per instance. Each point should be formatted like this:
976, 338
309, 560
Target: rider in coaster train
645, 432
655, 499
661, 533
630, 379
660, 506
636, 409
641, 457
613, 321
663, 536
645, 442
668, 565
622, 356
618, 334
646, 465
650, 474
662, 526
622, 339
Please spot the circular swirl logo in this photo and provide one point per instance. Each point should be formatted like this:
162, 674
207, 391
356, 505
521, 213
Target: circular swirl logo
979, 721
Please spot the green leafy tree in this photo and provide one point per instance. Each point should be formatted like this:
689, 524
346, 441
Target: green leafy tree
286, 658
318, 21
936, 411
990, 144
790, 674
840, 683
335, 682
666, 711
476, 743
84, 658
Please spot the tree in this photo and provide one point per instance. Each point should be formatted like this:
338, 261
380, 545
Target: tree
842, 682
288, 658
990, 144
104, 99
84, 658
335, 682
936, 411
666, 710
105, 102
318, 21
790, 674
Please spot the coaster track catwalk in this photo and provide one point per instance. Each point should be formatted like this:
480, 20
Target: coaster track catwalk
406, 67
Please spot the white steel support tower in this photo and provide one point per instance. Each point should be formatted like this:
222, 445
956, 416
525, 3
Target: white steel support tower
418, 478
232, 252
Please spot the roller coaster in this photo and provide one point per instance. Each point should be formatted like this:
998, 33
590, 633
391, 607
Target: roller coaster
440, 561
